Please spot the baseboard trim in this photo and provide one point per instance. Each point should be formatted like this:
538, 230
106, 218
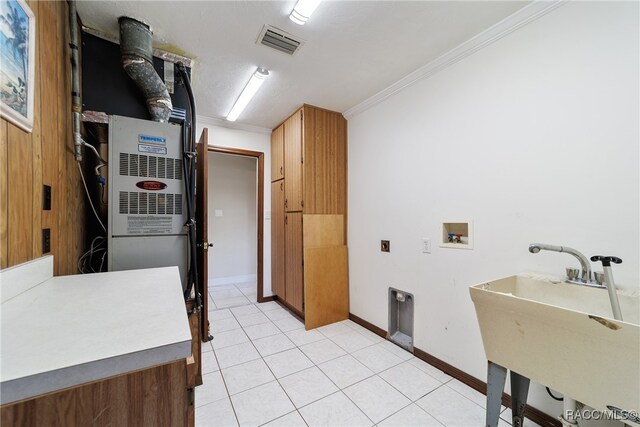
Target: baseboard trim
267, 298
370, 326
535, 415
289, 307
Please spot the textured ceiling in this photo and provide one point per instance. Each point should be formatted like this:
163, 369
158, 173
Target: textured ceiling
352, 49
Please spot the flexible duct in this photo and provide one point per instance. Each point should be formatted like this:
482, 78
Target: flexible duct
137, 60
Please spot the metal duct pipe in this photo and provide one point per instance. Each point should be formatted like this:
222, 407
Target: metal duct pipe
137, 60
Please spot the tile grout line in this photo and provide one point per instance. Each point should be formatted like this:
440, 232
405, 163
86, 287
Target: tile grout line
298, 347
274, 376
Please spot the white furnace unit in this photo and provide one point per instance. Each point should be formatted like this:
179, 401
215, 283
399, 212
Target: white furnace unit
147, 205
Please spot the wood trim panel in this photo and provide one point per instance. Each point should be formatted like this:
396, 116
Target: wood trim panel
44, 156
326, 285
260, 206
202, 229
155, 396
535, 415
194, 372
4, 196
36, 139
20, 184
322, 230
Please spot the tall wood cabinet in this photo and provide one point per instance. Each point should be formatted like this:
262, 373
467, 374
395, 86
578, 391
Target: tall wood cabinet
308, 174
277, 237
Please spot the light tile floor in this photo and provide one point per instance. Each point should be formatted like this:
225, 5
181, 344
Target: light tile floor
263, 368
223, 296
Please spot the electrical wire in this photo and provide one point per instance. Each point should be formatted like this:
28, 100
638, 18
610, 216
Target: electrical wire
89, 197
87, 257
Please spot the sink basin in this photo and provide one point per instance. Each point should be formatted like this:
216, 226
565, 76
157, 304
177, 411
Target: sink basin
563, 336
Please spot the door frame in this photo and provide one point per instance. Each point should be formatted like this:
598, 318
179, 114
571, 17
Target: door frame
260, 157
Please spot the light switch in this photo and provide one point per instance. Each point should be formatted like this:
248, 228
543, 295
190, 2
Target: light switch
426, 245
217, 212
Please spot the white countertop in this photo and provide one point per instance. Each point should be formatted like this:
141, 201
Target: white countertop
69, 330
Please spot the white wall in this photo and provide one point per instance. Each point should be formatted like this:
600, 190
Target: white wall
232, 194
534, 137
255, 140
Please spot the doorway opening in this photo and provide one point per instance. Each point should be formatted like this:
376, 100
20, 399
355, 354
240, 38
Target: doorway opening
236, 227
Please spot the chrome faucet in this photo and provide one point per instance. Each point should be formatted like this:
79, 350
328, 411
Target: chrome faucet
534, 248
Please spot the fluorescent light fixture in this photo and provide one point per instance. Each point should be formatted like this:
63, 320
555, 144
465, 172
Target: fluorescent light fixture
303, 10
248, 92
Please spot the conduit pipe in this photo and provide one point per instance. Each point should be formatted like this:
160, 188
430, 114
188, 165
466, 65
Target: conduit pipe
137, 59
76, 105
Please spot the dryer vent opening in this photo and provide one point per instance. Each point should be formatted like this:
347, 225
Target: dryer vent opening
401, 318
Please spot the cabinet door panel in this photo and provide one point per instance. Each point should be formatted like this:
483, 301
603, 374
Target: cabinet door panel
277, 153
277, 239
293, 265
325, 162
293, 162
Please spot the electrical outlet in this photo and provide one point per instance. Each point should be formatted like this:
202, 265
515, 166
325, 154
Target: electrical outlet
385, 246
46, 197
426, 245
46, 240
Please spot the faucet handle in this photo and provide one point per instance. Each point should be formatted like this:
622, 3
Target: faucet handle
606, 260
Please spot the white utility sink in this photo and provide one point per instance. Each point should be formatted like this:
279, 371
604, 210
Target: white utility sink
563, 336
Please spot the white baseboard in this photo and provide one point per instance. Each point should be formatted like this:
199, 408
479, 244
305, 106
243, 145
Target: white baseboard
232, 280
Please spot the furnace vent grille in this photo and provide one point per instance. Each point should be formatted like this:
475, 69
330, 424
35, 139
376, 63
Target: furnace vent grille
141, 203
280, 40
150, 166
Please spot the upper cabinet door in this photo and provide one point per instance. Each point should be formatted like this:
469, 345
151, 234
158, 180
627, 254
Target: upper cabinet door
293, 150
277, 153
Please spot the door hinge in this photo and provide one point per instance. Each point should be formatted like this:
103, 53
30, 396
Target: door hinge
190, 397
301, 116
302, 203
204, 246
301, 159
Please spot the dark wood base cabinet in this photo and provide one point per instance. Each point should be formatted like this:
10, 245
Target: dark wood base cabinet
156, 396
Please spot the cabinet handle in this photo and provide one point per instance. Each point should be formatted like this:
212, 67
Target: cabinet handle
280, 170
286, 203
286, 219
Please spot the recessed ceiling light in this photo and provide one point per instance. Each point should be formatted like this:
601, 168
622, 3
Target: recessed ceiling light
303, 10
248, 92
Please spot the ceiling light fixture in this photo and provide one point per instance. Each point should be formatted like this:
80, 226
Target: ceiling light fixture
303, 10
248, 92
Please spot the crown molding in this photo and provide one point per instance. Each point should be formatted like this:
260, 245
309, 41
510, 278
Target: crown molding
489, 36
213, 121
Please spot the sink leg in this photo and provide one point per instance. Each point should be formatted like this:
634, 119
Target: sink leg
519, 391
496, 376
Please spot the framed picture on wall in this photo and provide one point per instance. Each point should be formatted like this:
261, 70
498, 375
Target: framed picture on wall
17, 62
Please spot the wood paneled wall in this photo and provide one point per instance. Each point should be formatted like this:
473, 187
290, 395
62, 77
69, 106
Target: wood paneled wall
45, 156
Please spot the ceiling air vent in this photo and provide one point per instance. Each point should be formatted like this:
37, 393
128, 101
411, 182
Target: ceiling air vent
280, 40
